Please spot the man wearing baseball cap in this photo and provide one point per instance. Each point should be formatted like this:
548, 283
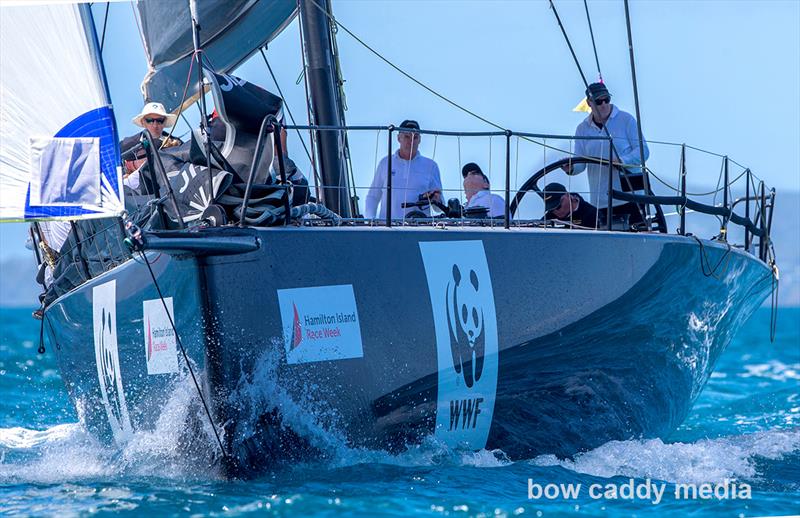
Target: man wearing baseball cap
413, 176
476, 188
623, 130
567, 206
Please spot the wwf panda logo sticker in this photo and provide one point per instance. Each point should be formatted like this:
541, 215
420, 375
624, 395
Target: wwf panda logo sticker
465, 322
104, 310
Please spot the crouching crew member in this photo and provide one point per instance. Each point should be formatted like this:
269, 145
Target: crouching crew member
569, 207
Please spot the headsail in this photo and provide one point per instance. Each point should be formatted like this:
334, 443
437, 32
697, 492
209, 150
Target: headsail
231, 31
58, 141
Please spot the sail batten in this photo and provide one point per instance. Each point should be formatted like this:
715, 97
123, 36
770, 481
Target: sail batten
58, 141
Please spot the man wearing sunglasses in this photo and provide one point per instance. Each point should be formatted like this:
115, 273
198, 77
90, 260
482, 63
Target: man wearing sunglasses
154, 118
622, 128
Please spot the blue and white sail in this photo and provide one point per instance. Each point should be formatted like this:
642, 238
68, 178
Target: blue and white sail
59, 157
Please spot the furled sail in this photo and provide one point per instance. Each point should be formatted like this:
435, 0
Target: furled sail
58, 141
231, 31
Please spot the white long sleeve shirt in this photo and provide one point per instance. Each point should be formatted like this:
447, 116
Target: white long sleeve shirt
625, 135
410, 178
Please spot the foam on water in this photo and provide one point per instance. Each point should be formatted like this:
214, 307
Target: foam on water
707, 460
67, 452
61, 453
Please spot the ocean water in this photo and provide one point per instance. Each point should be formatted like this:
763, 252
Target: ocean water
737, 454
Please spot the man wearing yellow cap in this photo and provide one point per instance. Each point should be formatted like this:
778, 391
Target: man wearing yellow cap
624, 133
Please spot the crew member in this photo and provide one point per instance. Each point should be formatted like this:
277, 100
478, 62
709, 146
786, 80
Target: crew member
567, 206
413, 177
624, 133
476, 188
154, 118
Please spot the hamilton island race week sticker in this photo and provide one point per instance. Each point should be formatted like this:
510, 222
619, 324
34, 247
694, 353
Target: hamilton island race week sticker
320, 324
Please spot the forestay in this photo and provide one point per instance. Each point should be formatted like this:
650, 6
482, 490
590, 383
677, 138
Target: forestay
231, 31
58, 141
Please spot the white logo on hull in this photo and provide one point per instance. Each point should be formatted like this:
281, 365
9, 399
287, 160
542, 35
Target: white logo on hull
104, 310
466, 340
160, 343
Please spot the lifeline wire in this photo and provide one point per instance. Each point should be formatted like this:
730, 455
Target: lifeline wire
185, 356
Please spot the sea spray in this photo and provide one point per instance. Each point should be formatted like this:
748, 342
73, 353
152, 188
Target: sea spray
704, 461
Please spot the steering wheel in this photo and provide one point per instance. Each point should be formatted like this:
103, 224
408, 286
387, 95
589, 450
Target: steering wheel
532, 184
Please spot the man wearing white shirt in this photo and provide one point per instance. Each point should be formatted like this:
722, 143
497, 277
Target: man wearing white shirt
413, 176
476, 188
624, 133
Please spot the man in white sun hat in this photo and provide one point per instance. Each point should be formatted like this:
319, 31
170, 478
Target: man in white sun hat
154, 118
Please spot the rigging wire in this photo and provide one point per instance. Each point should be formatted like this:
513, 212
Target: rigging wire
403, 72
342, 103
483, 119
594, 47
105, 21
183, 100
421, 84
289, 111
185, 356
644, 214
569, 44
139, 27
636, 104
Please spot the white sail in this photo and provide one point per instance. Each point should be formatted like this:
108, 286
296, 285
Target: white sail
59, 157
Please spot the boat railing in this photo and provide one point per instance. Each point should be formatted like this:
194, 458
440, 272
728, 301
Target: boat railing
758, 200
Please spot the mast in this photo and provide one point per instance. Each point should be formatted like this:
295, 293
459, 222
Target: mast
325, 102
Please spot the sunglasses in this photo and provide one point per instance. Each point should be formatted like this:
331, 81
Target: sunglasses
604, 100
151, 121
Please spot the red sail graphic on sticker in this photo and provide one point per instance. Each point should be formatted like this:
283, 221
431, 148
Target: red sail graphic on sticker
149, 341
297, 331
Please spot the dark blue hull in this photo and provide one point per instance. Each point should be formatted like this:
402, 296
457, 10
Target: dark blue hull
528, 341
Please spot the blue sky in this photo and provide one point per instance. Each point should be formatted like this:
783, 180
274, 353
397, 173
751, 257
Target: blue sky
719, 75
